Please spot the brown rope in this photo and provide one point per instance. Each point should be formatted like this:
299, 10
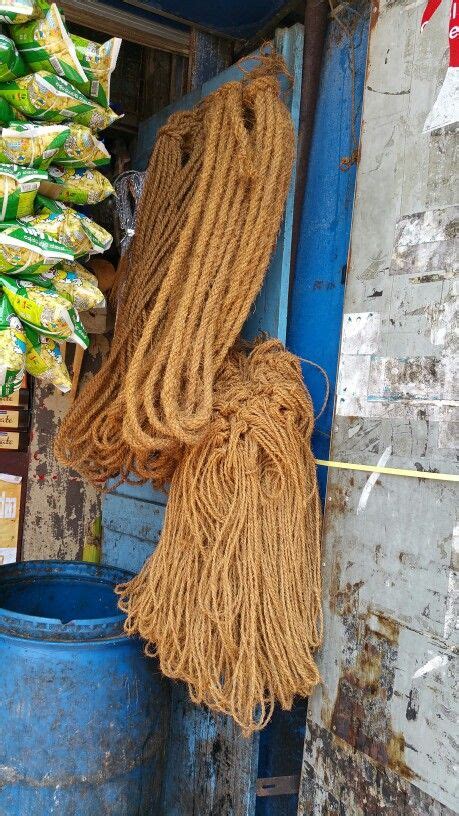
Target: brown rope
230, 600
207, 223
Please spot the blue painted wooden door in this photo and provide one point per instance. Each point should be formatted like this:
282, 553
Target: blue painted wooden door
210, 769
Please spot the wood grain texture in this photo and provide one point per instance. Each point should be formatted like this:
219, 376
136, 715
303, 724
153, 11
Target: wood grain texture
60, 506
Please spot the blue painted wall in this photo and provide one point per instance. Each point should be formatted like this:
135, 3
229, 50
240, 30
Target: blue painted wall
317, 293
315, 316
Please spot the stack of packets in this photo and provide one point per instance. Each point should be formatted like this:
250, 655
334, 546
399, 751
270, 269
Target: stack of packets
54, 99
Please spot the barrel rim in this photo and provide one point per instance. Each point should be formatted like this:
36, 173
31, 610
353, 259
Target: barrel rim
33, 627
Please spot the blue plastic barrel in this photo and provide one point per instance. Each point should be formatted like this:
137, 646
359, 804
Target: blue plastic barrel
83, 714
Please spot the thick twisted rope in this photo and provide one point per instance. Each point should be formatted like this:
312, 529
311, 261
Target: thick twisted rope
208, 220
230, 600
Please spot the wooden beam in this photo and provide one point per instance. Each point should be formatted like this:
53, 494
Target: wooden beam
209, 56
131, 27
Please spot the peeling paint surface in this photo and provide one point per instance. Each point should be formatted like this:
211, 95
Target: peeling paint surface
381, 727
60, 506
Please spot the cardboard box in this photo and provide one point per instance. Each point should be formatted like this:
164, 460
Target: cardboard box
20, 398
13, 418
14, 440
10, 503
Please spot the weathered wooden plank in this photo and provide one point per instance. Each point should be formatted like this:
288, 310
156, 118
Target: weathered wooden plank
60, 506
209, 56
144, 519
317, 293
209, 765
120, 549
381, 727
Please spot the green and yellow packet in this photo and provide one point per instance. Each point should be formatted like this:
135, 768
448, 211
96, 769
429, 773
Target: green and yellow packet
31, 145
45, 45
25, 250
12, 349
97, 118
12, 64
44, 360
76, 185
45, 97
74, 229
18, 189
98, 61
82, 148
38, 304
21, 11
72, 280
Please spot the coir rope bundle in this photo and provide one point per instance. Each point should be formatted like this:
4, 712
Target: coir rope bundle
230, 600
207, 223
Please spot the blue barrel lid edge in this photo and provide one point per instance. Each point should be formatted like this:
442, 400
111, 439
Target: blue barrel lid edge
32, 627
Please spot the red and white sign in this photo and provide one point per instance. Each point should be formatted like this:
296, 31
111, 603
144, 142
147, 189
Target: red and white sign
445, 112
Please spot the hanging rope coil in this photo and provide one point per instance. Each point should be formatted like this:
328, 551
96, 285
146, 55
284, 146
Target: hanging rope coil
207, 223
230, 599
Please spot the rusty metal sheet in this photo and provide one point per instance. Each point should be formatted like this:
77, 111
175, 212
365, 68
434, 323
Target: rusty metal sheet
381, 727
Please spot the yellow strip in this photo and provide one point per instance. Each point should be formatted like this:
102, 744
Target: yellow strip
417, 474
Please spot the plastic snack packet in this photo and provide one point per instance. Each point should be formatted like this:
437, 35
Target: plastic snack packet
76, 186
39, 305
18, 188
44, 360
77, 231
46, 46
97, 118
64, 227
82, 148
11, 63
24, 250
12, 349
21, 11
98, 62
46, 97
73, 281
31, 145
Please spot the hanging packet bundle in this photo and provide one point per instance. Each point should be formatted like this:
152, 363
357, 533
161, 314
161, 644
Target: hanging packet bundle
97, 118
39, 305
21, 11
44, 360
75, 282
24, 250
45, 45
11, 63
77, 231
64, 227
18, 189
31, 145
76, 186
82, 148
98, 62
12, 349
45, 97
